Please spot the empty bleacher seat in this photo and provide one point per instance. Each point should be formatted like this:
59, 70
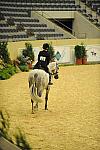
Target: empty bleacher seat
20, 11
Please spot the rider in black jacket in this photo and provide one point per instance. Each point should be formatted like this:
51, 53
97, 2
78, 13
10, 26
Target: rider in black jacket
44, 60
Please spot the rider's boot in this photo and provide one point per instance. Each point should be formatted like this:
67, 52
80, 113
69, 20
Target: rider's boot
50, 83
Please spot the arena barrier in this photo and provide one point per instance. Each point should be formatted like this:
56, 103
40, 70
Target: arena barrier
6, 145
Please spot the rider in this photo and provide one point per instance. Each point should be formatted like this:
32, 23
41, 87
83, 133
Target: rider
44, 60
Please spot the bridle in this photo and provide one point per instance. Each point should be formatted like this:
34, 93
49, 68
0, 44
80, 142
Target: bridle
54, 72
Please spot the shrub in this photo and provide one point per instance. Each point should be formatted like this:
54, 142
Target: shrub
51, 51
29, 51
26, 58
78, 51
11, 69
4, 74
6, 67
22, 60
7, 72
24, 68
4, 55
5, 125
21, 141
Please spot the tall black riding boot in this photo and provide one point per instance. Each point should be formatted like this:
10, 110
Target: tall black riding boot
50, 83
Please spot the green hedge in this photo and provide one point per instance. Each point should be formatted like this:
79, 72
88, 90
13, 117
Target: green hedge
23, 68
7, 72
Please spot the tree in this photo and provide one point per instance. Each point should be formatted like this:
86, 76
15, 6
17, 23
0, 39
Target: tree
51, 50
28, 51
4, 54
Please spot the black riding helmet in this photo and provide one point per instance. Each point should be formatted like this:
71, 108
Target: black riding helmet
46, 46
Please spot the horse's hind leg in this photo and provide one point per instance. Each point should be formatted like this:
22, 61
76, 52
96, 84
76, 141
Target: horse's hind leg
46, 98
32, 107
39, 93
36, 106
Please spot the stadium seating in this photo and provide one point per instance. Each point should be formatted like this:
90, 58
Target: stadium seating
94, 5
40, 5
20, 12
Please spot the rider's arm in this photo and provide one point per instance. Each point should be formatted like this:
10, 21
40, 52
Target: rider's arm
39, 57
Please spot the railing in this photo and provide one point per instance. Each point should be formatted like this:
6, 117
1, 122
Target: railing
55, 20
6, 145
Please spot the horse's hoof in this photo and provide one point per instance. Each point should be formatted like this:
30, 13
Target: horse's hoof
33, 112
35, 108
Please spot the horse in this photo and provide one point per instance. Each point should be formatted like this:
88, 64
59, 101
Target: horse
38, 81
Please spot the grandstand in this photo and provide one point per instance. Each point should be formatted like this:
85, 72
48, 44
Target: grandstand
53, 19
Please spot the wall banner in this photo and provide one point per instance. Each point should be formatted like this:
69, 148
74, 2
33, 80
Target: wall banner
62, 53
65, 54
93, 53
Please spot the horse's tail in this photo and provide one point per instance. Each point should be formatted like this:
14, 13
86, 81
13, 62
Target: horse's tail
34, 96
33, 91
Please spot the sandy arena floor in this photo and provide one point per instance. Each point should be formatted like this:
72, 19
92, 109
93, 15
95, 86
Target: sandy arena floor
73, 119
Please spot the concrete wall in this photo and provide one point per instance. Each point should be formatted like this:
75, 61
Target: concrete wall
83, 28
42, 16
66, 45
57, 14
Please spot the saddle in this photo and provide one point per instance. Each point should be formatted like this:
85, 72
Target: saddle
38, 66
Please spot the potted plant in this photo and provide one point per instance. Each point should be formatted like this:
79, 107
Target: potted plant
78, 54
84, 55
28, 53
51, 51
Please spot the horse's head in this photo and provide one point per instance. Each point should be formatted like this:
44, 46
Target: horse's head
53, 69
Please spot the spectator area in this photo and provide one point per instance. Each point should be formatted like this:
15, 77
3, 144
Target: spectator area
17, 24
